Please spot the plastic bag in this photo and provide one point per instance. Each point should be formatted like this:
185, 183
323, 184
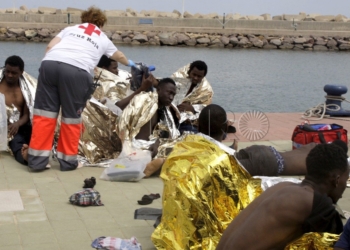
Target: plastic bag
129, 166
3, 124
137, 73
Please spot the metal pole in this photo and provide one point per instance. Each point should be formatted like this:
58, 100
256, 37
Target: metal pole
183, 8
223, 21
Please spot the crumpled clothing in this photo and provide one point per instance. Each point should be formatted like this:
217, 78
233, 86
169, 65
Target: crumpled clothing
112, 243
86, 197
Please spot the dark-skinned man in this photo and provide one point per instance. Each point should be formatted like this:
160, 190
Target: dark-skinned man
11, 81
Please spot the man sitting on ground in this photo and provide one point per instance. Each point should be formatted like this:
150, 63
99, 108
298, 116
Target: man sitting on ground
18, 89
286, 211
192, 95
147, 116
108, 64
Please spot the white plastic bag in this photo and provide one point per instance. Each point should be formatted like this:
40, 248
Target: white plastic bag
3, 124
129, 166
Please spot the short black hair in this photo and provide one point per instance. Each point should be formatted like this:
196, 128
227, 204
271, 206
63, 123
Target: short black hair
15, 61
325, 158
104, 62
341, 144
212, 119
165, 81
200, 65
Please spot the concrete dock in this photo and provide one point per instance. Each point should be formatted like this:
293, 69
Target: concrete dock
49, 221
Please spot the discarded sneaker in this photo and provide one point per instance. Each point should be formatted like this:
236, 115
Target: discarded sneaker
89, 183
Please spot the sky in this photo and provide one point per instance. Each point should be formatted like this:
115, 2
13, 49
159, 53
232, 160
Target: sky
243, 7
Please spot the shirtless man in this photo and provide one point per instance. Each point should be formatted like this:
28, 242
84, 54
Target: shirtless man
10, 87
258, 160
166, 90
286, 211
108, 64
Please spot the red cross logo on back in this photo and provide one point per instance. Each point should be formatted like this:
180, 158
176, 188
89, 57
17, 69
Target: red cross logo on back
90, 29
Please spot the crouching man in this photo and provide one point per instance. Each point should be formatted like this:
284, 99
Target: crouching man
19, 89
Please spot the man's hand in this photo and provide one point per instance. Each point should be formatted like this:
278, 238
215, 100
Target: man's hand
148, 82
13, 128
154, 148
186, 106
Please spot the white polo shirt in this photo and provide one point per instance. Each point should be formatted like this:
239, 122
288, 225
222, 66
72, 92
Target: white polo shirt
82, 46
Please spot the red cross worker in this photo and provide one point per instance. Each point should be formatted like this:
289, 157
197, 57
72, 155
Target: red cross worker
65, 82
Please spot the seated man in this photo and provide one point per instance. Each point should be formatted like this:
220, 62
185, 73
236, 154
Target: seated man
285, 211
19, 92
147, 117
108, 64
192, 95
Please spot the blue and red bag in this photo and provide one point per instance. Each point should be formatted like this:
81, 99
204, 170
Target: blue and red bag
318, 133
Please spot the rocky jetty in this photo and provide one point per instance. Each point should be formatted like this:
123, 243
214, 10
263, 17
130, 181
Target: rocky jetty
157, 38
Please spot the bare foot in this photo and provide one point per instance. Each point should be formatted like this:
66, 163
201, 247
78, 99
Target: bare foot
80, 165
234, 145
24, 152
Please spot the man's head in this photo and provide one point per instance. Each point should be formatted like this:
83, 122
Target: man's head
341, 144
14, 67
327, 165
212, 121
197, 71
95, 16
166, 91
108, 64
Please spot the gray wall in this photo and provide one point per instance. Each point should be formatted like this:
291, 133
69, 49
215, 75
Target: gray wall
190, 25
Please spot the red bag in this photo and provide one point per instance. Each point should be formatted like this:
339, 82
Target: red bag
318, 133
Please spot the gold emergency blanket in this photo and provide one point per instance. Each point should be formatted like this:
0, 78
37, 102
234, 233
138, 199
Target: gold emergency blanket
314, 241
139, 112
200, 96
204, 189
99, 141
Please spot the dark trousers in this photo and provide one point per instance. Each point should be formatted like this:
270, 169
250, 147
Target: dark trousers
22, 137
64, 86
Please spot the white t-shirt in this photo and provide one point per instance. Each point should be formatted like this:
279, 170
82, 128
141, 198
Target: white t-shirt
82, 46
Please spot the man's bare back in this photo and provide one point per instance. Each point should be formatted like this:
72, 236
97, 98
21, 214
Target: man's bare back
278, 212
295, 160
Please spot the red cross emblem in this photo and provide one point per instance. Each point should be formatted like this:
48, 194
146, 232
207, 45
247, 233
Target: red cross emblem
90, 29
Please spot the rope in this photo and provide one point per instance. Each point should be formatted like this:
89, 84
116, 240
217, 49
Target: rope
319, 111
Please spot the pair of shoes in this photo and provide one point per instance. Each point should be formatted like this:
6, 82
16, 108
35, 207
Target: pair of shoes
89, 183
148, 199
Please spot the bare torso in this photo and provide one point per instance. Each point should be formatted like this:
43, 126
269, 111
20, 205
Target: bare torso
272, 220
295, 160
13, 95
147, 129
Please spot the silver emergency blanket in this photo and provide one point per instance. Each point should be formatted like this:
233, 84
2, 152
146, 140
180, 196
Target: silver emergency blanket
138, 113
28, 87
200, 96
99, 142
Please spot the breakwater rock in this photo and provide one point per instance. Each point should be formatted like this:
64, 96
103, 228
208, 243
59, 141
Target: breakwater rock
321, 43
